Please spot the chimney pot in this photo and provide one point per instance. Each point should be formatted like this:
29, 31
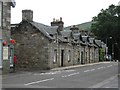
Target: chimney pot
60, 18
58, 23
53, 19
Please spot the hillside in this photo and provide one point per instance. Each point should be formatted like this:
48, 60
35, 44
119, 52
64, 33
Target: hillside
84, 26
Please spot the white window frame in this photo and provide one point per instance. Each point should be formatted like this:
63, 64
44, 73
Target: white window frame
55, 56
69, 55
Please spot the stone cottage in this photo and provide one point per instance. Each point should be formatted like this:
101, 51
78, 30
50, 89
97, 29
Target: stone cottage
39, 46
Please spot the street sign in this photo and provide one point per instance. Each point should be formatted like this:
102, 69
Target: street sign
5, 53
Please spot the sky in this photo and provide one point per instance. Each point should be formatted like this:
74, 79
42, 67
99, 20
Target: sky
72, 11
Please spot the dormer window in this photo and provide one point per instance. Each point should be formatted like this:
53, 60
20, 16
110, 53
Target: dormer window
65, 37
80, 37
88, 39
76, 40
51, 35
83, 41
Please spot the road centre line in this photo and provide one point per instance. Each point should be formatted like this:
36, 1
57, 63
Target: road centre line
89, 70
109, 66
86, 70
69, 70
100, 67
92, 69
56, 72
39, 81
71, 74
48, 73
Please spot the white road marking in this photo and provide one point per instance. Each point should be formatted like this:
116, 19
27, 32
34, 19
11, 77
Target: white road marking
89, 70
48, 73
71, 74
39, 81
86, 70
69, 70
55, 72
92, 69
100, 68
109, 66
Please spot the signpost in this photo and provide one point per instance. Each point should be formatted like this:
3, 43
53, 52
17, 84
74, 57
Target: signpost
5, 53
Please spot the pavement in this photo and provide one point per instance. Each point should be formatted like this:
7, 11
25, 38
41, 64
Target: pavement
76, 66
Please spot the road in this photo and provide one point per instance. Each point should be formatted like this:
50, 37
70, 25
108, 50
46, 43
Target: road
102, 75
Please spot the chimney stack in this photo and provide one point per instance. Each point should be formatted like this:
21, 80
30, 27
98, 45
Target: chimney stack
27, 15
74, 29
58, 23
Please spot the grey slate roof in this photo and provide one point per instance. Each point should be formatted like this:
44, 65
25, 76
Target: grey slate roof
66, 33
50, 30
98, 43
62, 38
46, 30
91, 40
85, 38
76, 36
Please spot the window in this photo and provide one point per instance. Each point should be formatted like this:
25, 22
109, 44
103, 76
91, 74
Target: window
0, 13
65, 37
55, 56
78, 56
69, 55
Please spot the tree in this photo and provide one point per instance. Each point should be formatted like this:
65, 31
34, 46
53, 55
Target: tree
107, 24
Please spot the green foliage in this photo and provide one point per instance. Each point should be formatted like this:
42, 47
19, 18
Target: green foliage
107, 24
102, 54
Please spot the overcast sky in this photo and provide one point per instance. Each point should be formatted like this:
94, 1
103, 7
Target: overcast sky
72, 11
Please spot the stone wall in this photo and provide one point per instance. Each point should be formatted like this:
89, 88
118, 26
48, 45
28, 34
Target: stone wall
31, 47
67, 57
6, 19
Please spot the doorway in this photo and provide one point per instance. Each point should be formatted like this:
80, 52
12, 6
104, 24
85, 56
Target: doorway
62, 57
82, 62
